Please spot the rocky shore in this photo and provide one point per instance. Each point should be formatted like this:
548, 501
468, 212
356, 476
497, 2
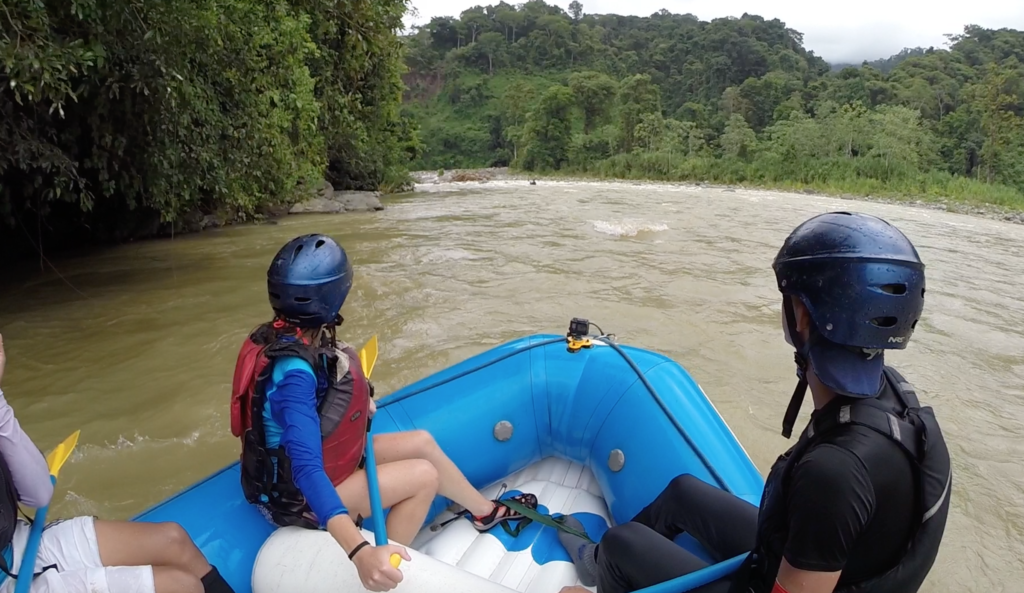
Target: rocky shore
332, 201
326, 200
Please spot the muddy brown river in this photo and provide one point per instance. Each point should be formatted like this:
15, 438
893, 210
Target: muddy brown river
135, 345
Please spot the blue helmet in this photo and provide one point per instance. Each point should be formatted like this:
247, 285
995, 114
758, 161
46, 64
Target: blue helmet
862, 282
309, 280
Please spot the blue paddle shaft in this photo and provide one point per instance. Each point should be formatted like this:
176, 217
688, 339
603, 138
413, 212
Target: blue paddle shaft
697, 578
379, 530
28, 560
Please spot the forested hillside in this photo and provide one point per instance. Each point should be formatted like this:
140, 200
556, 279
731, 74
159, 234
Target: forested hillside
734, 100
117, 115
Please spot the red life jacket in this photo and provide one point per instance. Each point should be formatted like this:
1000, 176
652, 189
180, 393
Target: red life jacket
342, 406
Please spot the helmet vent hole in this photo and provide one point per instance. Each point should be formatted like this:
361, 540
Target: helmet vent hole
275, 296
922, 293
897, 289
320, 243
914, 325
303, 300
884, 321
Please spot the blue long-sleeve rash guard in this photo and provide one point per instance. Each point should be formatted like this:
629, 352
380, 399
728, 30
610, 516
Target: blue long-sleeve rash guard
290, 419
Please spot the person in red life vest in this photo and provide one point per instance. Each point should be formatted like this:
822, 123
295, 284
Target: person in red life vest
859, 503
301, 406
84, 554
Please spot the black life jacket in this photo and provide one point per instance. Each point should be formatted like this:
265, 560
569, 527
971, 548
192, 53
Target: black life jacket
900, 418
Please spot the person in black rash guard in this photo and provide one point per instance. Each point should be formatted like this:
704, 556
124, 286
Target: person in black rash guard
859, 503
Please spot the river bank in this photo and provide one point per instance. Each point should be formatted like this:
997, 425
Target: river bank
499, 174
326, 200
66, 231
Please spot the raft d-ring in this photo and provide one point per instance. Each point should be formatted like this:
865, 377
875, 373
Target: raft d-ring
616, 460
503, 430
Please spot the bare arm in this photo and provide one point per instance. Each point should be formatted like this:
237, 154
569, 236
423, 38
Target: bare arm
794, 580
345, 532
28, 466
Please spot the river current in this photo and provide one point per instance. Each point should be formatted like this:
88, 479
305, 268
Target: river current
135, 345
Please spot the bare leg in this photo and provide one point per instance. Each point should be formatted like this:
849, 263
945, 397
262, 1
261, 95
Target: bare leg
406, 518
178, 565
124, 543
407, 487
420, 444
174, 580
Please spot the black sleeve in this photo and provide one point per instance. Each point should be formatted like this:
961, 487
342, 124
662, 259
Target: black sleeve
830, 501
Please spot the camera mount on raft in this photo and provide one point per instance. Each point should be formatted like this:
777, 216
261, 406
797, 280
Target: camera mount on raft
579, 337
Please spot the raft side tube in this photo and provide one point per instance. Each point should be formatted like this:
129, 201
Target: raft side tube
301, 560
226, 528
579, 406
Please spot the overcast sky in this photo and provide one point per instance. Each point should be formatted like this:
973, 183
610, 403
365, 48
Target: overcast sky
836, 31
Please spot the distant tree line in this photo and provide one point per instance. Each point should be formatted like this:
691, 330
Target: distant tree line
885, 65
735, 99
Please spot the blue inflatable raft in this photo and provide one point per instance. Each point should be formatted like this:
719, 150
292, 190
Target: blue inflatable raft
596, 432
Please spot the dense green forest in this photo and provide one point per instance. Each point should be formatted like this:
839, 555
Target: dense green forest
119, 115
737, 100
123, 118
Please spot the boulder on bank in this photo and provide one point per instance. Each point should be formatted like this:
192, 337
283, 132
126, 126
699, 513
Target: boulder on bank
330, 201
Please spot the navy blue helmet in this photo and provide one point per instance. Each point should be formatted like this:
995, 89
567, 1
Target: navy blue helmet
862, 282
309, 280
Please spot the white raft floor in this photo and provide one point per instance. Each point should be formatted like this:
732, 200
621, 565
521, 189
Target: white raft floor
561, 486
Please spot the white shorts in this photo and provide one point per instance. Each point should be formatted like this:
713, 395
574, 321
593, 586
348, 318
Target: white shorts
72, 546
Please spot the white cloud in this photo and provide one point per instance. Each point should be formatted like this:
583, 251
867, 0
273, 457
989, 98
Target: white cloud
836, 31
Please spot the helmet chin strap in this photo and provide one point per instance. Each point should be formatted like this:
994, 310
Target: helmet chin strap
329, 331
326, 333
800, 358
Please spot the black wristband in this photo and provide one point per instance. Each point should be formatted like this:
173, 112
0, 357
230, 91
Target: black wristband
357, 548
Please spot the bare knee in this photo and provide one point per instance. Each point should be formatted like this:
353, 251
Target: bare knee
425, 475
175, 542
422, 440
173, 535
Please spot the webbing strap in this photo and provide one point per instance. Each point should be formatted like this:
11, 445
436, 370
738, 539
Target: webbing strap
533, 515
520, 525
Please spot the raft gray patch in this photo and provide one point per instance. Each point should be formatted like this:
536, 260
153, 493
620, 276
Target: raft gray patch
616, 459
503, 430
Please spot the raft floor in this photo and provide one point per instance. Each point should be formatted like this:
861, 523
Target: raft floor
535, 561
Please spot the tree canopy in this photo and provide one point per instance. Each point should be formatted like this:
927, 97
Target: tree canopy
109, 109
732, 99
112, 112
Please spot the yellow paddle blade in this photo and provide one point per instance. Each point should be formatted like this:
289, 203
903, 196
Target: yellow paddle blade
368, 356
58, 456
